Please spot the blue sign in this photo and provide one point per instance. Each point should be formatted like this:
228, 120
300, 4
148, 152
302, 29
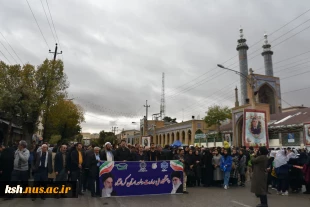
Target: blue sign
290, 138
141, 178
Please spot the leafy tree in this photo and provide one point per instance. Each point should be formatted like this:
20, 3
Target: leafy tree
106, 137
169, 119
55, 139
216, 115
65, 118
51, 86
18, 97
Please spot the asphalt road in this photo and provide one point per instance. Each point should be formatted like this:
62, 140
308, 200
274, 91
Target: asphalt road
198, 196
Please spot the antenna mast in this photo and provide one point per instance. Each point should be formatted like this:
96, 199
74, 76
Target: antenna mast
162, 101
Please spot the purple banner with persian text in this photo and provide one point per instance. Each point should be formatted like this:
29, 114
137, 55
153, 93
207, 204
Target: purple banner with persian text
141, 178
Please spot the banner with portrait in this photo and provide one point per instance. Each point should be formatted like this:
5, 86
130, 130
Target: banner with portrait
227, 138
307, 134
146, 141
140, 178
255, 128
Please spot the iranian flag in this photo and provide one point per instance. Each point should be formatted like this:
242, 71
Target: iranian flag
106, 167
176, 165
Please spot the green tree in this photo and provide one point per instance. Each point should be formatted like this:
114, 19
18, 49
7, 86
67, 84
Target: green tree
216, 115
51, 86
18, 97
106, 137
65, 118
169, 119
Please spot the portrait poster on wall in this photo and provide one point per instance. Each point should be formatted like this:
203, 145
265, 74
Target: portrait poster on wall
307, 133
255, 128
146, 141
227, 138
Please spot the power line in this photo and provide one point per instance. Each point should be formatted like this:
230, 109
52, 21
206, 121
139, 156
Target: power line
48, 21
251, 46
213, 76
199, 102
282, 27
295, 75
37, 24
293, 66
53, 23
301, 89
5, 57
188, 108
8, 52
11, 48
203, 81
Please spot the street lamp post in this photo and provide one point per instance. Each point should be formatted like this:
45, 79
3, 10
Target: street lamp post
251, 81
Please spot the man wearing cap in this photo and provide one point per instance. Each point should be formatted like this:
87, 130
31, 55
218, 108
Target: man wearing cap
177, 186
108, 154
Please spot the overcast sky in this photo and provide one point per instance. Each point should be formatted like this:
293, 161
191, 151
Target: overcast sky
115, 51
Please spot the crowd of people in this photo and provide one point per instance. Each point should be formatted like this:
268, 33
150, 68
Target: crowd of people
282, 169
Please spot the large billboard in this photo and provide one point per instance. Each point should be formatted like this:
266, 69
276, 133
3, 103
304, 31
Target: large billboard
141, 178
255, 128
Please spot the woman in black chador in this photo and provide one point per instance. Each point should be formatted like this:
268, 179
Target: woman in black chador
207, 175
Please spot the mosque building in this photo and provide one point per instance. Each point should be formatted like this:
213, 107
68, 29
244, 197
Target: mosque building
259, 119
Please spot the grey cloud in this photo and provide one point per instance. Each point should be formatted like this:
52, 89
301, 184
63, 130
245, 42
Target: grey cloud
116, 51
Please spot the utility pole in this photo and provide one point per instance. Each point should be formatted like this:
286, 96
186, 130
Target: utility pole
114, 129
47, 84
55, 52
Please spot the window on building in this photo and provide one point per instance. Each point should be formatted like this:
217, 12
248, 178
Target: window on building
291, 139
274, 135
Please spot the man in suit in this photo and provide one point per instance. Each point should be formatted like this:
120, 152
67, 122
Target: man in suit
42, 166
76, 166
256, 126
108, 154
93, 176
61, 166
89, 153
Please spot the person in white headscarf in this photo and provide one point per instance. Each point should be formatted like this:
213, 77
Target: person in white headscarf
280, 159
291, 154
272, 181
282, 171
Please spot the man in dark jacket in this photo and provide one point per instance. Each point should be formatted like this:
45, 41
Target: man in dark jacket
167, 152
61, 164
123, 153
42, 166
76, 166
161, 155
6, 164
89, 152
